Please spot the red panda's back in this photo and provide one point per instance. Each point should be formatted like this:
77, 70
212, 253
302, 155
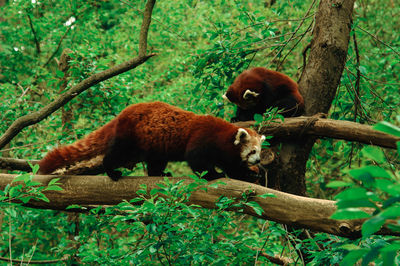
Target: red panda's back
156, 127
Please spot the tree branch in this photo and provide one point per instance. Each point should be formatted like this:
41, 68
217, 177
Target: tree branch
38, 116
285, 208
145, 27
37, 43
320, 127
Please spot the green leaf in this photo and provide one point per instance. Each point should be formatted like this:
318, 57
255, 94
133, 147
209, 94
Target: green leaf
54, 181
256, 207
349, 214
74, 206
267, 195
42, 197
258, 118
372, 225
338, 184
387, 128
374, 153
59, 74
23, 177
391, 212
352, 194
343, 204
366, 172
353, 256
54, 188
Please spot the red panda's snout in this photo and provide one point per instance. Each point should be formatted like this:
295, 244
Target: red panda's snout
250, 145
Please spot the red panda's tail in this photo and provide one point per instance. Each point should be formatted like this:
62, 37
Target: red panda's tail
89, 147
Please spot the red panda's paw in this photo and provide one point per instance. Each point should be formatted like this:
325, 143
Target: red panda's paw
114, 175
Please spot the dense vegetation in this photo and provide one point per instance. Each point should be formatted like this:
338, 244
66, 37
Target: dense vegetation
201, 46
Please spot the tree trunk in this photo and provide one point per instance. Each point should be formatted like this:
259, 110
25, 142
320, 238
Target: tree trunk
318, 84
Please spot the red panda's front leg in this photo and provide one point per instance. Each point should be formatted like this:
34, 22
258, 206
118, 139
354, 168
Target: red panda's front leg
200, 160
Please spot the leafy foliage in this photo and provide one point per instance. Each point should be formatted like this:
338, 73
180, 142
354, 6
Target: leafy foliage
201, 46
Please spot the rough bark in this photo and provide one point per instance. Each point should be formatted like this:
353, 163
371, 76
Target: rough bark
285, 208
321, 127
318, 84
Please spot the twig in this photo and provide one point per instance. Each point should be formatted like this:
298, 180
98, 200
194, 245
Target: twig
34, 33
357, 99
38, 116
167, 28
297, 29
305, 54
291, 49
64, 258
376, 38
58, 46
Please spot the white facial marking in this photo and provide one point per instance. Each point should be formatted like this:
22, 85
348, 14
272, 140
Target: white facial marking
251, 151
225, 98
250, 95
241, 136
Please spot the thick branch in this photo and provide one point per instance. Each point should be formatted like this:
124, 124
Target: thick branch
284, 208
320, 127
145, 27
36, 117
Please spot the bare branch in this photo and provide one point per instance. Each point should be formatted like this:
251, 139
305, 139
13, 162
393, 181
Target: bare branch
37, 43
38, 116
58, 46
284, 208
321, 127
145, 27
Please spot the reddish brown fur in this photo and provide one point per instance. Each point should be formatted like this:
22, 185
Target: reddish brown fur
92, 145
155, 133
272, 86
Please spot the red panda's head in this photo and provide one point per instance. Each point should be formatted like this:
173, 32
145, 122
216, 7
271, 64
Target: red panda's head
246, 90
249, 142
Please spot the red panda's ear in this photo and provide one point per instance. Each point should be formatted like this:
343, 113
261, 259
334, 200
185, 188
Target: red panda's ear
250, 95
262, 138
228, 94
242, 136
225, 97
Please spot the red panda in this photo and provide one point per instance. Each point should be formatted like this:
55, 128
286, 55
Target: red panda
157, 133
257, 89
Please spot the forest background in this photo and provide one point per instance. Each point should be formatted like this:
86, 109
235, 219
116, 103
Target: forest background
200, 47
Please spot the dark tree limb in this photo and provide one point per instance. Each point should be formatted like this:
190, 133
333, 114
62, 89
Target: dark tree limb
35, 38
38, 116
321, 127
296, 211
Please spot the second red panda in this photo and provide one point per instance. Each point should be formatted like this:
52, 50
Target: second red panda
157, 133
257, 89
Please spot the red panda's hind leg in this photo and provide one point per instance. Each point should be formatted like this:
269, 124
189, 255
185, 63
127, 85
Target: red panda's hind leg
290, 106
119, 153
156, 168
